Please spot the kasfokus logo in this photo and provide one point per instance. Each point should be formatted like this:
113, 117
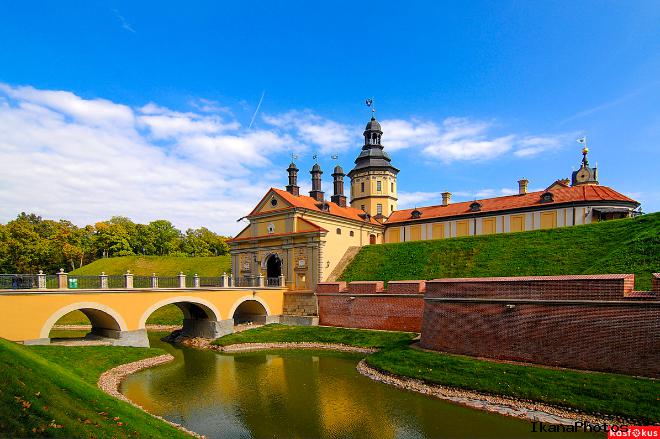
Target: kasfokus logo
636, 432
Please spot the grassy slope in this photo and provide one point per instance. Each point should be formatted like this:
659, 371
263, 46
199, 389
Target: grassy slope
318, 334
41, 398
587, 391
161, 265
621, 246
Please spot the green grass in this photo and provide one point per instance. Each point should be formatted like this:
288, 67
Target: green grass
590, 392
318, 334
211, 266
620, 246
167, 315
51, 391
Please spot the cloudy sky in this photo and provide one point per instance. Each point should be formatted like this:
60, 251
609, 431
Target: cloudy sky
190, 115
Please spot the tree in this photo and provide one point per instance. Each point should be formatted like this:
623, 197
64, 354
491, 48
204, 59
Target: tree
193, 244
112, 240
166, 237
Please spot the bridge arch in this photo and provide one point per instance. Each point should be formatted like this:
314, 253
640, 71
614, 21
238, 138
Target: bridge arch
105, 320
249, 309
191, 307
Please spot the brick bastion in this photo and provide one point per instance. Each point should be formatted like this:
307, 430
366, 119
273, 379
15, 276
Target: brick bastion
594, 322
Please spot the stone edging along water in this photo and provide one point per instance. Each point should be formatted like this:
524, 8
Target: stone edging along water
110, 380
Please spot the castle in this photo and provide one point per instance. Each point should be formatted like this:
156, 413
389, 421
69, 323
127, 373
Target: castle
304, 238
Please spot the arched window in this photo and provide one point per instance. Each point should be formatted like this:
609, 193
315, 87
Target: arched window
351, 233
338, 231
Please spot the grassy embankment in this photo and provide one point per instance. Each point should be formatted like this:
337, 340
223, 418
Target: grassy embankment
144, 266
621, 246
51, 391
590, 392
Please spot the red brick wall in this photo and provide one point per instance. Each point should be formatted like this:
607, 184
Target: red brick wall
585, 322
656, 284
383, 311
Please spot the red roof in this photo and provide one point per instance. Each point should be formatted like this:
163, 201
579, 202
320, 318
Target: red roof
305, 202
584, 193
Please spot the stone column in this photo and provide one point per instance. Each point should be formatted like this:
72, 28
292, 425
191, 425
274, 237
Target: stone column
41, 280
230, 281
154, 280
103, 280
182, 280
282, 283
128, 279
223, 280
260, 280
196, 281
62, 279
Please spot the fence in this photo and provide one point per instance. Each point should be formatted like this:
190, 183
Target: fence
63, 280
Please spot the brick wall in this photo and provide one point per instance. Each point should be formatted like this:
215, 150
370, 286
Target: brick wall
368, 305
585, 322
655, 288
299, 304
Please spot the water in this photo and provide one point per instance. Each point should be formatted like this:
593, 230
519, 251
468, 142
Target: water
301, 394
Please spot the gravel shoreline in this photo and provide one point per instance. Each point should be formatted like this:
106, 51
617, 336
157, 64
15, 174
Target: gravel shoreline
527, 410
111, 379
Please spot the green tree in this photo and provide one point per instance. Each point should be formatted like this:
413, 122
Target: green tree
166, 237
193, 244
112, 240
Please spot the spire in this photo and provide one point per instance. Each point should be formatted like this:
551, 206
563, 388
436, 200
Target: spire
338, 198
293, 187
373, 156
316, 191
586, 174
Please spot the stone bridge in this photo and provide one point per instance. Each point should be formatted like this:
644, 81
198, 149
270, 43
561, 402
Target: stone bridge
120, 315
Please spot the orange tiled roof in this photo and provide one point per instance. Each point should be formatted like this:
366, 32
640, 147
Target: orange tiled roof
305, 202
532, 199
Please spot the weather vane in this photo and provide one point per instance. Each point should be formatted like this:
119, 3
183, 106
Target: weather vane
315, 157
294, 157
370, 103
335, 156
582, 141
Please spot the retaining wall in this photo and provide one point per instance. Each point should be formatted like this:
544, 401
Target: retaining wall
369, 305
592, 322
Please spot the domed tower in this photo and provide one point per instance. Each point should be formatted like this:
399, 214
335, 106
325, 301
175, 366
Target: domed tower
586, 175
373, 179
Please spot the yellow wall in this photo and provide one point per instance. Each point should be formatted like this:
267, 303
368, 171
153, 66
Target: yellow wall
393, 234
462, 228
488, 226
438, 231
517, 223
374, 196
548, 220
415, 233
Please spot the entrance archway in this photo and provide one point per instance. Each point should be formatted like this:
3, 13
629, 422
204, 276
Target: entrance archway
372, 239
273, 267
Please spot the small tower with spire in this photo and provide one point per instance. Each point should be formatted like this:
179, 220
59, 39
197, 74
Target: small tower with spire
373, 179
586, 175
338, 185
316, 191
293, 187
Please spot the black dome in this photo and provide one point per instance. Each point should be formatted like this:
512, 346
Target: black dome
373, 125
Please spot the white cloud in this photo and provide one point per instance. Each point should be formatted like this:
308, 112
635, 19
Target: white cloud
462, 139
329, 136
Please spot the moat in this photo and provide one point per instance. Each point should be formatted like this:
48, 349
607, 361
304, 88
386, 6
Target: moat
299, 394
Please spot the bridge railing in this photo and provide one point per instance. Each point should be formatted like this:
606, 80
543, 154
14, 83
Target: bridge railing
128, 280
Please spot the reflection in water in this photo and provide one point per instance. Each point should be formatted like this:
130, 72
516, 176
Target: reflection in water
300, 394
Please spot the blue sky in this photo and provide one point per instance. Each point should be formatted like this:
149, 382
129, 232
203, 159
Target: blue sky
144, 109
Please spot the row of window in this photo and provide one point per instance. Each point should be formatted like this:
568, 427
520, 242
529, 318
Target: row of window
379, 186
351, 233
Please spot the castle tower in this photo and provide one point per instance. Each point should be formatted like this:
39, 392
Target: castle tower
373, 179
585, 175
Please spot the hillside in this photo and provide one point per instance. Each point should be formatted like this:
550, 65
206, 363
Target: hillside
161, 265
620, 246
40, 398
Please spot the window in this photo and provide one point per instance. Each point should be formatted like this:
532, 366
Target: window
392, 208
338, 231
392, 186
362, 186
362, 207
379, 208
351, 233
273, 202
378, 186
271, 228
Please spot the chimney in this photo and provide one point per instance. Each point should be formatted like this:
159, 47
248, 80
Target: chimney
338, 198
446, 198
316, 191
522, 186
293, 187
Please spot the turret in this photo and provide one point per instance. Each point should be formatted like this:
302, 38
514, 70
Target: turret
293, 187
316, 191
338, 185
